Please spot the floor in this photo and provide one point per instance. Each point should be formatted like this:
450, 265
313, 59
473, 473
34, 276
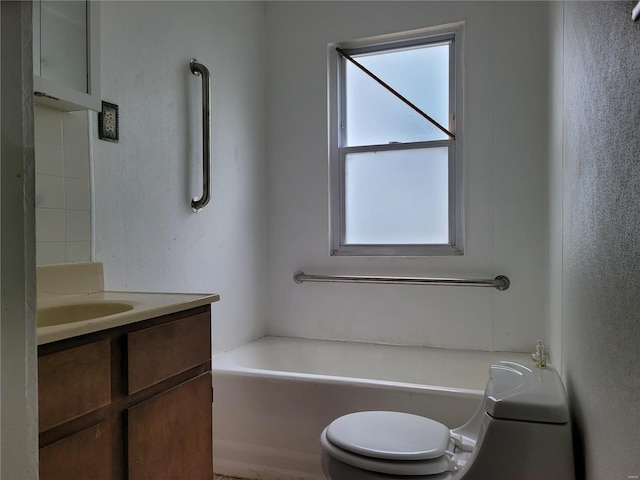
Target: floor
222, 477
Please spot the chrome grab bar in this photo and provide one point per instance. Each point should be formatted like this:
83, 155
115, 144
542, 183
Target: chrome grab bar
198, 69
501, 282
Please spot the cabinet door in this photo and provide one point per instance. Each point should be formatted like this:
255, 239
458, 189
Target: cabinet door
169, 435
66, 58
84, 455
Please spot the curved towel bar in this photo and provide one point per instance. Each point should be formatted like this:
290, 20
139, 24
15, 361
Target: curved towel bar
198, 69
501, 282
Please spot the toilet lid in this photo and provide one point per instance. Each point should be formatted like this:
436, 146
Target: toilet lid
389, 435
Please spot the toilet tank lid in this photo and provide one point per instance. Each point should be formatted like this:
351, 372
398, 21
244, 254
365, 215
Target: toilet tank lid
520, 392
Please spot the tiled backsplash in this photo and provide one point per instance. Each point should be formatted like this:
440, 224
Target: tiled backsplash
63, 187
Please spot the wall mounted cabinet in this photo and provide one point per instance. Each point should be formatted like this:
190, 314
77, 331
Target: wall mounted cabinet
66, 54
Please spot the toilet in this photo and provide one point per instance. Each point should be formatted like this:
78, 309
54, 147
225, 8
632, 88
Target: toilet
520, 431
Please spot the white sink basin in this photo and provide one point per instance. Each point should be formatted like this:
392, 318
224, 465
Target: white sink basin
79, 312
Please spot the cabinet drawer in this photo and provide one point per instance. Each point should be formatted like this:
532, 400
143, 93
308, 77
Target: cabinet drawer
73, 382
87, 454
158, 353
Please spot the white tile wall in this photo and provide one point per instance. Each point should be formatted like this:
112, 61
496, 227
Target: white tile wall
50, 225
49, 191
63, 188
77, 195
78, 226
76, 145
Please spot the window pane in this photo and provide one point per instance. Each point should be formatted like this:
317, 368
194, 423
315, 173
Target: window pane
374, 116
397, 197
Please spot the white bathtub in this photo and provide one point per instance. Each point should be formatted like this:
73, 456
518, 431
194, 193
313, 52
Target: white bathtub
273, 397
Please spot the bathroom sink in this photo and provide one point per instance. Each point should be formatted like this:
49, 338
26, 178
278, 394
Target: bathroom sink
78, 312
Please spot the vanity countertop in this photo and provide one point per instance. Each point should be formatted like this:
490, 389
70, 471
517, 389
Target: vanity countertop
144, 306
72, 301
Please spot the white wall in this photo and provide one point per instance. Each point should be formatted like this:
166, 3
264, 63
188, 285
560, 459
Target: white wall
553, 329
146, 233
596, 174
505, 147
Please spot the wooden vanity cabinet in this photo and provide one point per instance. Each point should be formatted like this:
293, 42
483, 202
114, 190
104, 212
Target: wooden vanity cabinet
133, 402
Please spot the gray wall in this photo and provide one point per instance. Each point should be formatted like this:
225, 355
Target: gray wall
145, 232
18, 363
600, 192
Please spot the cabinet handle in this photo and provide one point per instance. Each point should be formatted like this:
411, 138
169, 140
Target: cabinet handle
200, 70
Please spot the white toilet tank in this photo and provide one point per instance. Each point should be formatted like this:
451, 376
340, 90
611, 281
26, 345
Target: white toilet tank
524, 427
518, 392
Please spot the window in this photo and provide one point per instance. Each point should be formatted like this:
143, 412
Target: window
394, 167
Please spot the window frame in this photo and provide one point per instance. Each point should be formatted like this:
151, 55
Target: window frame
338, 152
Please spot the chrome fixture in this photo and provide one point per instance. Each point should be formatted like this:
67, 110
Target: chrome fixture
501, 282
198, 69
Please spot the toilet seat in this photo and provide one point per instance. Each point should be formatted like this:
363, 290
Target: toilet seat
390, 442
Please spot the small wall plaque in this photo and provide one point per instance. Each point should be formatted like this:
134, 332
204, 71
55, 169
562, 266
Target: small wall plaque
108, 120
